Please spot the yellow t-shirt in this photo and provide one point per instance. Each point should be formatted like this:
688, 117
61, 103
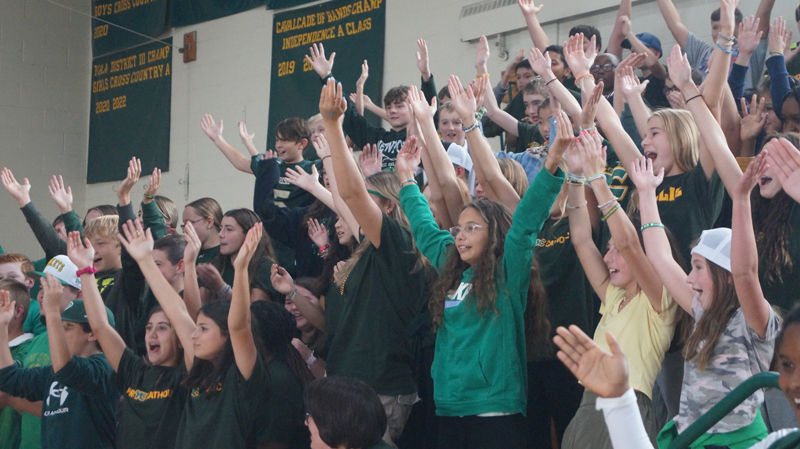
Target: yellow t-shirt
642, 333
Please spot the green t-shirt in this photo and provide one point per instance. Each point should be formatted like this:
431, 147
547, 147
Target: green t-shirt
289, 195
226, 419
786, 294
38, 355
152, 405
689, 204
33, 322
282, 413
261, 279
794, 65
569, 293
10, 420
368, 325
207, 255
529, 137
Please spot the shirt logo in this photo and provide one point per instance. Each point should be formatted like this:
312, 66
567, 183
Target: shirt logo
60, 393
455, 298
674, 192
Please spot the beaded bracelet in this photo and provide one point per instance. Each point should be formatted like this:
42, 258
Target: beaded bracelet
591, 130
575, 179
578, 207
609, 213
730, 39
473, 127
724, 49
479, 115
652, 225
607, 203
595, 177
408, 180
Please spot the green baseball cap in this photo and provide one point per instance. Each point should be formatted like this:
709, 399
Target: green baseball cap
76, 313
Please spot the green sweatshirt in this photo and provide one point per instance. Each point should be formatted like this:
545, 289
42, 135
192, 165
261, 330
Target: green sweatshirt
479, 365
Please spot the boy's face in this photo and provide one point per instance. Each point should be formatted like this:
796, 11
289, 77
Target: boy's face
13, 270
532, 102
544, 122
450, 125
398, 115
78, 341
106, 253
171, 272
557, 66
524, 76
290, 151
604, 72
317, 129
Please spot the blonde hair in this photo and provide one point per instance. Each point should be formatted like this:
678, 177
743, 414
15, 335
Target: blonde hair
168, 210
105, 226
314, 118
515, 174
208, 207
683, 137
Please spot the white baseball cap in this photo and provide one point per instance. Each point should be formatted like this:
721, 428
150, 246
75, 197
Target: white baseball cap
715, 245
459, 156
62, 268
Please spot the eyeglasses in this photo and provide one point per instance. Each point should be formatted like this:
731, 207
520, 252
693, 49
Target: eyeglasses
183, 226
468, 229
605, 67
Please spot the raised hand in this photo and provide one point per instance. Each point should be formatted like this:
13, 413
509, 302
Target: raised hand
249, 247
602, 373
331, 102
317, 60
518, 57
321, 145
541, 63
482, 56
754, 120
137, 241
628, 83
749, 36
676, 100
364, 74
422, 59
422, 110
370, 159
247, 139
777, 36
680, 72
408, 158
574, 159
7, 307
578, 60
529, 7
633, 60
317, 233
212, 130
281, 280
151, 189
301, 178
641, 172
593, 155
564, 136
463, 100
80, 253
193, 244
751, 177
53, 292
625, 26
20, 192
210, 276
789, 52
61, 195
784, 160
124, 189
589, 110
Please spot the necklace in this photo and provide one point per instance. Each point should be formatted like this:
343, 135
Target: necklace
627, 299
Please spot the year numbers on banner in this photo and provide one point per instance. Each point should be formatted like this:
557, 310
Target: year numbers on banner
108, 105
100, 31
285, 68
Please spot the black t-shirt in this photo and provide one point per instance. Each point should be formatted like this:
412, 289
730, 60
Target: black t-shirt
207, 255
785, 294
281, 416
153, 401
226, 419
368, 325
261, 279
654, 92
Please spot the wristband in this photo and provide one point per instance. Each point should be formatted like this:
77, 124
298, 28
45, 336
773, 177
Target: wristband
579, 78
575, 179
595, 177
292, 293
149, 197
311, 359
591, 130
729, 39
652, 225
409, 181
692, 98
773, 53
482, 75
609, 213
88, 270
607, 203
224, 291
548, 83
324, 248
724, 49
479, 115
578, 207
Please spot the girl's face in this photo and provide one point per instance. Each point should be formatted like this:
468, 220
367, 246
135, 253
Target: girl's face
326, 182
791, 115
471, 241
231, 237
657, 147
619, 272
701, 281
200, 223
450, 125
207, 339
343, 232
789, 366
316, 441
302, 323
162, 344
385, 205
479, 192
768, 185
774, 124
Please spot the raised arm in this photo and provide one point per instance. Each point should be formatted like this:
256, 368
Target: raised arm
82, 255
282, 282
151, 216
191, 288
784, 160
241, 332
651, 60
60, 354
499, 116
247, 139
626, 239
715, 155
530, 11
673, 19
744, 253
510, 68
341, 209
214, 132
358, 96
656, 243
7, 308
618, 34
629, 86
125, 187
541, 64
310, 183
139, 244
720, 60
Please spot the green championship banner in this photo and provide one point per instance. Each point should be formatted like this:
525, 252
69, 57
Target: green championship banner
190, 12
355, 30
148, 17
130, 111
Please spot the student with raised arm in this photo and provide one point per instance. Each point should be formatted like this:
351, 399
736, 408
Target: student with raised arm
79, 402
205, 215
153, 395
481, 400
237, 159
635, 304
381, 287
734, 329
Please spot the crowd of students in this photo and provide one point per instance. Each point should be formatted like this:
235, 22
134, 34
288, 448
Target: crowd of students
411, 287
